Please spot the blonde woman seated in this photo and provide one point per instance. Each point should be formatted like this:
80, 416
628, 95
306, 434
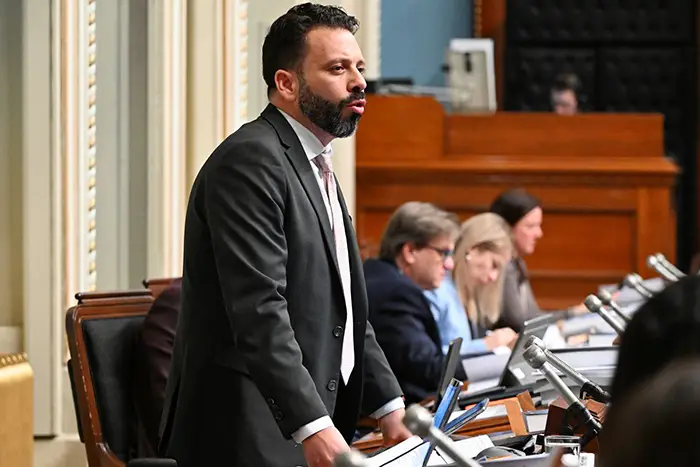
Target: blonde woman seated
469, 301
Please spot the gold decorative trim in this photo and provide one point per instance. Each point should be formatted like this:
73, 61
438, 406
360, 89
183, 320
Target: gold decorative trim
235, 64
78, 105
13, 359
478, 12
90, 164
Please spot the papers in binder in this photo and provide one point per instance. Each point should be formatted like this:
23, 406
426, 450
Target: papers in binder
411, 453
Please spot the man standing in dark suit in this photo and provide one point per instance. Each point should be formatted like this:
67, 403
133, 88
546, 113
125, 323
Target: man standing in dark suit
414, 256
273, 348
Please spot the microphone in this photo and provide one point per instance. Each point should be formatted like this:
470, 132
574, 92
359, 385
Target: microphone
635, 281
419, 422
594, 305
607, 299
669, 266
349, 459
588, 386
535, 357
654, 263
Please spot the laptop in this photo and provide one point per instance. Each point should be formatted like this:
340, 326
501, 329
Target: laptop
515, 377
452, 359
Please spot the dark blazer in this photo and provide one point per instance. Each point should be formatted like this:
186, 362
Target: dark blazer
259, 339
519, 304
406, 330
151, 366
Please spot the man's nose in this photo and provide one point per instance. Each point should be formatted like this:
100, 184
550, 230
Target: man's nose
357, 83
449, 263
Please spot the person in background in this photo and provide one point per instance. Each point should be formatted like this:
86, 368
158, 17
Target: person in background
564, 94
151, 367
415, 254
482, 250
523, 212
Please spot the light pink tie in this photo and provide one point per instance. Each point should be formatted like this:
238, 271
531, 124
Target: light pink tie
323, 161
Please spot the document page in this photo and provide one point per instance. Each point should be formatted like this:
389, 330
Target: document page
469, 448
394, 454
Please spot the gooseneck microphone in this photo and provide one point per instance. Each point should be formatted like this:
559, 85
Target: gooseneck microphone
535, 357
419, 422
654, 263
635, 281
607, 299
349, 459
594, 305
588, 386
670, 267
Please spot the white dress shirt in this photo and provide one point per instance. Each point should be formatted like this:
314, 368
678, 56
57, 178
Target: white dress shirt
313, 147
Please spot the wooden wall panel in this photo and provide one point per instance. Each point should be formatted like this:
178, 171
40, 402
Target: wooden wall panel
586, 135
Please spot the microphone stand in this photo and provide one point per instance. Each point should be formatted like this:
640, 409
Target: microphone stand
577, 416
588, 387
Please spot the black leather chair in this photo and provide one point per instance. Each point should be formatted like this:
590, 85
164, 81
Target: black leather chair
101, 330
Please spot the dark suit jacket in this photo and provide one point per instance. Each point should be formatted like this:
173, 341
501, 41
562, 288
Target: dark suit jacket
406, 330
259, 339
151, 366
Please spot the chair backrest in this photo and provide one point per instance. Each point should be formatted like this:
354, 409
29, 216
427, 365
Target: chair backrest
16, 411
102, 329
158, 285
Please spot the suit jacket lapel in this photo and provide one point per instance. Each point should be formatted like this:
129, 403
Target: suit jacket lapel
295, 153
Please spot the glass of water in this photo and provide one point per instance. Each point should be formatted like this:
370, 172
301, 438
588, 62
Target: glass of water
569, 444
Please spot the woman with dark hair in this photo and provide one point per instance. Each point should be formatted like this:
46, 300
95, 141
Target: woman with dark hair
654, 426
523, 212
668, 407
665, 328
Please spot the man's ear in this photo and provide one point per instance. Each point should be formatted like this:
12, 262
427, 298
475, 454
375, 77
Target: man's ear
286, 83
408, 252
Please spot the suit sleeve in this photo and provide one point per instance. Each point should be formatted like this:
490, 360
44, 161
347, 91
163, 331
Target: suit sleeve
401, 332
380, 385
245, 209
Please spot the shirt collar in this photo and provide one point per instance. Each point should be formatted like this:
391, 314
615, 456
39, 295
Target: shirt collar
312, 146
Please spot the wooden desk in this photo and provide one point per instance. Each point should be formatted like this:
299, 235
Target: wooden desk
605, 186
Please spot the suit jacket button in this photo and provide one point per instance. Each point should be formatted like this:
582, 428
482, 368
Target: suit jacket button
278, 415
270, 401
332, 385
338, 331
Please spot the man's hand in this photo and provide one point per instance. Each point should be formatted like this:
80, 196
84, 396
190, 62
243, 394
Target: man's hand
503, 337
393, 429
320, 449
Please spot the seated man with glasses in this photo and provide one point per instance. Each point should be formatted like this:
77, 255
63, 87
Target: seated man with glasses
414, 256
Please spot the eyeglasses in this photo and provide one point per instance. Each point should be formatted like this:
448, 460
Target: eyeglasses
444, 252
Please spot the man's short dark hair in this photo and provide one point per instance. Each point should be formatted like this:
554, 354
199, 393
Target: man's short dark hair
285, 44
566, 82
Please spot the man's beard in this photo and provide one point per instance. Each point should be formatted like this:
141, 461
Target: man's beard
326, 115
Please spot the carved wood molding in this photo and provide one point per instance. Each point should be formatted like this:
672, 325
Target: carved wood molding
451, 176
477, 17
13, 359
